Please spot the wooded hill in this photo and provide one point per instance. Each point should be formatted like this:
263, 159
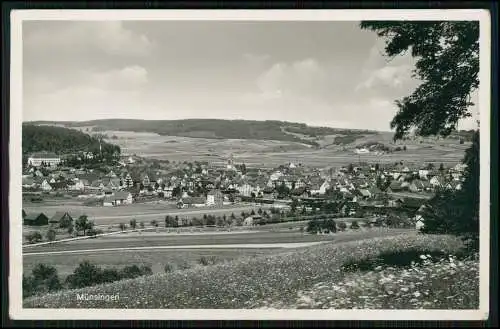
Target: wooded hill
220, 129
61, 141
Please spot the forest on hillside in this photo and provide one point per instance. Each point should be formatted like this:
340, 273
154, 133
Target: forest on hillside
62, 141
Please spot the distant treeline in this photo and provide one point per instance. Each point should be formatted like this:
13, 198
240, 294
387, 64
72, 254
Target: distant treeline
216, 128
61, 141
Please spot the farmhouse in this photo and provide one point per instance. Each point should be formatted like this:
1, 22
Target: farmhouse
44, 159
46, 186
118, 198
437, 181
61, 217
252, 220
215, 198
191, 202
36, 219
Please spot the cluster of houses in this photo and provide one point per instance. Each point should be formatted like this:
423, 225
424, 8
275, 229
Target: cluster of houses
202, 185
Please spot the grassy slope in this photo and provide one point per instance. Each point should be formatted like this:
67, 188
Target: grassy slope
247, 282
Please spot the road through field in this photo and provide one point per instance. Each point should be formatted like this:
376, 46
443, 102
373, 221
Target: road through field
211, 246
258, 240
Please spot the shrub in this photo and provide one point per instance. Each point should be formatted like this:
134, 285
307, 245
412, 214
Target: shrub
94, 232
86, 274
342, 226
43, 279
141, 225
133, 223
34, 237
51, 235
168, 268
122, 226
354, 225
133, 271
154, 223
205, 261
110, 275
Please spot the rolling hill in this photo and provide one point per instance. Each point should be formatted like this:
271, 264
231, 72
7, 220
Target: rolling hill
221, 129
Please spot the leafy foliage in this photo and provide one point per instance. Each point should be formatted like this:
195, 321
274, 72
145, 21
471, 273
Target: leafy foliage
34, 237
457, 212
62, 141
447, 63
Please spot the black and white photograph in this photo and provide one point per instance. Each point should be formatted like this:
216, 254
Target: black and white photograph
294, 164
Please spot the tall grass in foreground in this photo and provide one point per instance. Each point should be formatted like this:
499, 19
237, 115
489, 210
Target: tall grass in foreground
246, 283
447, 284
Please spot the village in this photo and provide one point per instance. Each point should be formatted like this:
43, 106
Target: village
359, 190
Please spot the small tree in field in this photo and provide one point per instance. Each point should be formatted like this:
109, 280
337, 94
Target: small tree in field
154, 223
133, 223
82, 224
51, 235
70, 229
123, 226
342, 226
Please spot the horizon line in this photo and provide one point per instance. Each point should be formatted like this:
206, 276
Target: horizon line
267, 120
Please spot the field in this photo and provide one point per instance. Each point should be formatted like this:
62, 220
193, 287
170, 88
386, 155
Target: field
268, 153
149, 248
103, 216
287, 277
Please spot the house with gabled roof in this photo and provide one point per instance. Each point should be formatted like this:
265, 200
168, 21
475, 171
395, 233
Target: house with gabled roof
197, 202
454, 185
395, 186
36, 219
437, 181
60, 217
215, 198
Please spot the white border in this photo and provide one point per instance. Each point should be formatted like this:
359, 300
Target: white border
15, 201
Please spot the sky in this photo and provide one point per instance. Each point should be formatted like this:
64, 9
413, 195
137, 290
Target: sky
319, 73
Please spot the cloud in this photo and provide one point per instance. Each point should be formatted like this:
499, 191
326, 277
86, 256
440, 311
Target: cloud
129, 77
110, 37
299, 76
388, 76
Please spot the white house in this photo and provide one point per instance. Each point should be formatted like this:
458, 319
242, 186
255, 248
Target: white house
46, 186
78, 186
48, 159
362, 151
245, 189
422, 173
118, 198
167, 191
215, 198
325, 186
436, 181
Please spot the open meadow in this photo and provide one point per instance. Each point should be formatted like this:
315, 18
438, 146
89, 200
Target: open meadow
142, 212
292, 276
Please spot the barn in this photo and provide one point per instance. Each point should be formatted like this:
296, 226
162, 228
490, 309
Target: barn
36, 219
